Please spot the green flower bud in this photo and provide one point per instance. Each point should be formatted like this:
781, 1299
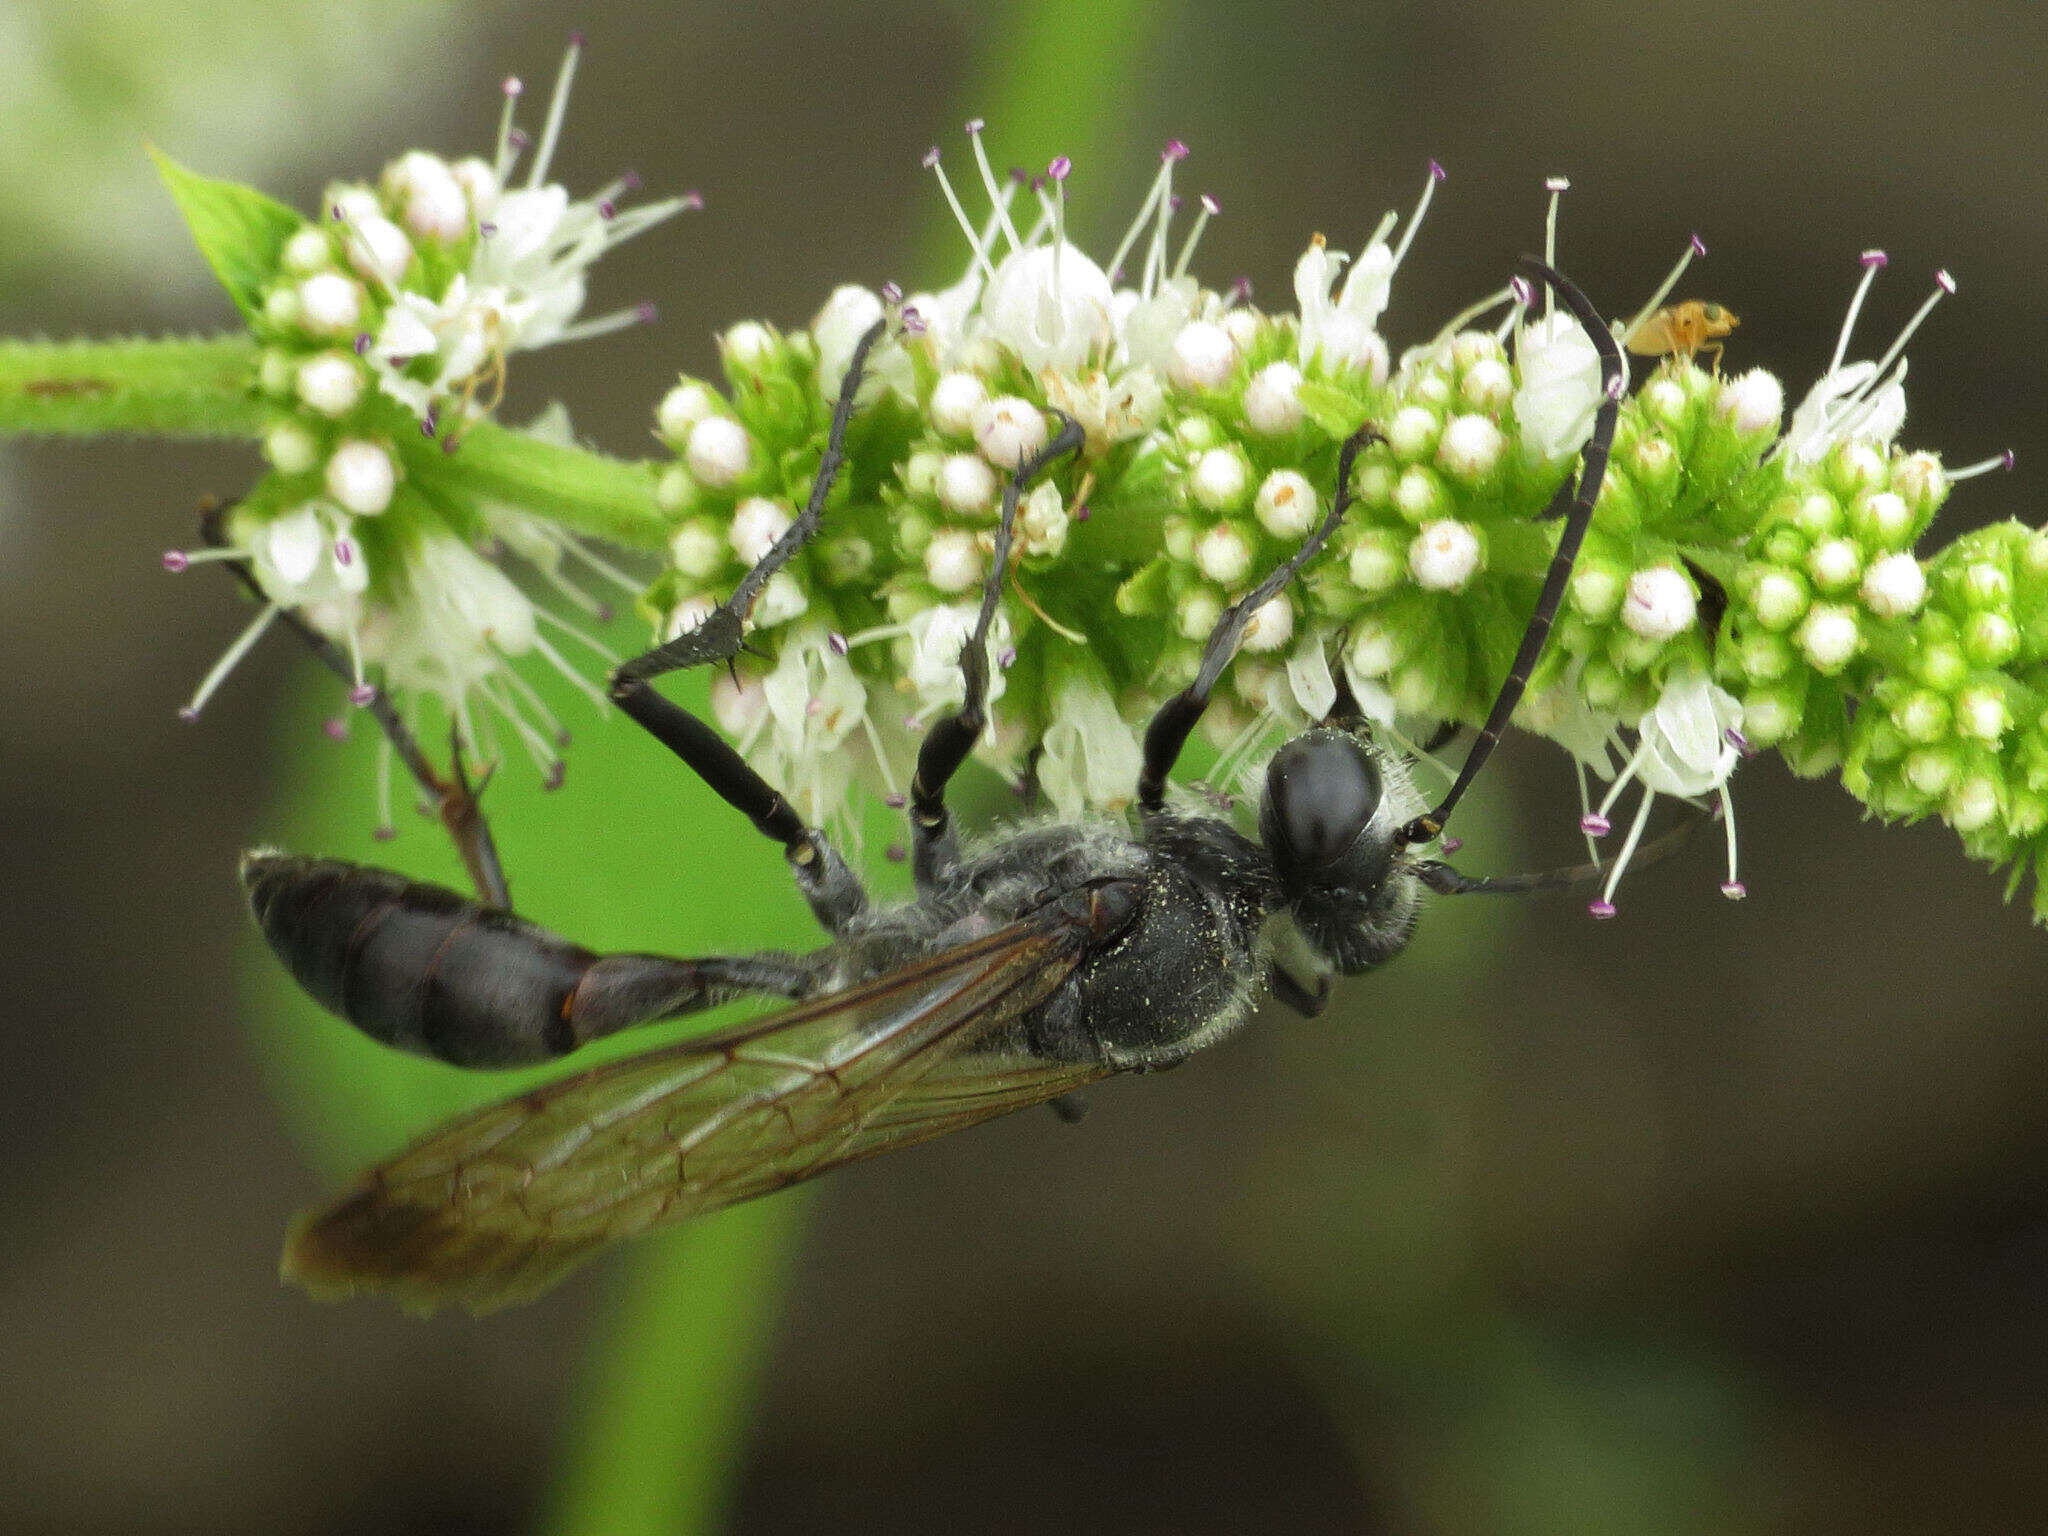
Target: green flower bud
677, 491
1972, 803
1930, 770
1377, 562
1412, 434
1602, 683
1829, 638
1818, 515
846, 559
1374, 482
1835, 565
1942, 665
698, 549
1596, 588
1771, 714
1764, 658
1419, 496
1853, 467
1990, 639
1779, 598
1882, 519
1981, 714
1922, 716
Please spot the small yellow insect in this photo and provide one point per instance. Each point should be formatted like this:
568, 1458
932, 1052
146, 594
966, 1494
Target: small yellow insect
1684, 329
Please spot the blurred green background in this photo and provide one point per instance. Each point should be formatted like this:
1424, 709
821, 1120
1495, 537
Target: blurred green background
1715, 1218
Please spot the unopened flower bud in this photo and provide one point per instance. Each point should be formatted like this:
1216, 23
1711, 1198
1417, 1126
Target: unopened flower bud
1919, 478
1663, 399
955, 399
1377, 563
330, 304
1272, 400
1488, 385
697, 549
1981, 715
330, 383
1223, 555
1203, 356
1819, 515
1412, 433
846, 559
1834, 564
1986, 583
1923, 716
1930, 770
1855, 466
1990, 639
1470, 448
1008, 430
781, 600
1779, 598
1659, 603
677, 490
1596, 589
1971, 803
965, 485
1445, 556
757, 523
290, 448
1882, 519
1829, 638
952, 560
1418, 495
1271, 626
1375, 649
1220, 480
1602, 683
719, 451
361, 477
1894, 587
1197, 612
1753, 401
749, 344
1286, 504
1765, 657
1941, 665
1770, 714
682, 408
306, 251
378, 249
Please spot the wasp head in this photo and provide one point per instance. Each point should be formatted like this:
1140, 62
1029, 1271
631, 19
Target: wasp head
1331, 820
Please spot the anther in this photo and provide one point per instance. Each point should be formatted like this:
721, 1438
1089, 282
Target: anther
1556, 184
1699, 246
335, 727
1593, 824
362, 695
1734, 890
176, 560
1873, 260
1601, 907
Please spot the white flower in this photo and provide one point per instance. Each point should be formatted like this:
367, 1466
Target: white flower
1753, 401
814, 702
1561, 390
1050, 305
1272, 400
935, 639
1863, 401
1286, 506
838, 327
1445, 556
1009, 430
1659, 603
1202, 356
1090, 760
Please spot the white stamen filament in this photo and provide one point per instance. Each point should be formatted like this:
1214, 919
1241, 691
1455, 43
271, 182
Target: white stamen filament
611, 656
996, 199
1586, 811
230, 659
1161, 185
1728, 815
1628, 846
1415, 220
1468, 314
1892, 352
603, 325
1155, 253
1870, 270
576, 679
978, 244
1663, 289
1967, 472
1187, 249
506, 154
1557, 187
558, 106
533, 699
874, 735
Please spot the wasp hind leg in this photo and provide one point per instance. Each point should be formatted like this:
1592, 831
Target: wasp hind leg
935, 848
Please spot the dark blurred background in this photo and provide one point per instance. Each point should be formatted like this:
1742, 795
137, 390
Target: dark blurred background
1715, 1218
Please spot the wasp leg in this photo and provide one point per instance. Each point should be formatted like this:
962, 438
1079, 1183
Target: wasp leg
833, 890
1288, 989
934, 847
454, 800
425, 970
1593, 468
1178, 716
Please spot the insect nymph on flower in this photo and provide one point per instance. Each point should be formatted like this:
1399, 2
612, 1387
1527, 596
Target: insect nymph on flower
1021, 971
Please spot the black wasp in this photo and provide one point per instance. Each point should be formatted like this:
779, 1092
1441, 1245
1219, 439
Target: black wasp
1020, 972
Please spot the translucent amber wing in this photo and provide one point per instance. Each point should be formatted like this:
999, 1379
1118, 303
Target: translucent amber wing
498, 1206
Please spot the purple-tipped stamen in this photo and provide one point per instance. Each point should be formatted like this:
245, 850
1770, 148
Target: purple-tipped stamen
1601, 908
607, 209
575, 39
362, 343
836, 643
487, 229
974, 126
896, 853
2008, 458
1873, 260
1436, 172
384, 832
344, 551
187, 713
1525, 295
1699, 246
692, 200
644, 313
1241, 291
1944, 282
362, 695
1006, 658
335, 727
1174, 202
513, 86
1556, 184
913, 321
558, 774
1734, 890
1616, 386
895, 801
1739, 742
1452, 844
931, 157
1593, 824
1081, 513
629, 181
518, 138
1175, 150
892, 293
1059, 168
176, 561
1210, 206
603, 613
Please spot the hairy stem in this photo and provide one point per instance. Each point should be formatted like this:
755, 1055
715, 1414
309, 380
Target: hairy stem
160, 387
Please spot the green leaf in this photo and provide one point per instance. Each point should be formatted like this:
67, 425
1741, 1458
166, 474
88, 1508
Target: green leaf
1336, 411
239, 231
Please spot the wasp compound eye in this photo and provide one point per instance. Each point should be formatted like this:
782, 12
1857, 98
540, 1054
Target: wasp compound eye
1321, 792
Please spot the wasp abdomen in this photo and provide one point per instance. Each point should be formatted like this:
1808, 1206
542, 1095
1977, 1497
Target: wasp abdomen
426, 970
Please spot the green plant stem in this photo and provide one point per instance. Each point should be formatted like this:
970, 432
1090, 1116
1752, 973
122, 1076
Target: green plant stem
670, 1389
582, 490
183, 386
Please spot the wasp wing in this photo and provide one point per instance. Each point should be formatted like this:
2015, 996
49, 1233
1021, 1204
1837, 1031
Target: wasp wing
497, 1206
